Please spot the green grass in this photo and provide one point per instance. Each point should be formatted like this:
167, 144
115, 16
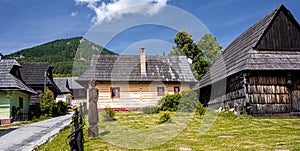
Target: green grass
136, 130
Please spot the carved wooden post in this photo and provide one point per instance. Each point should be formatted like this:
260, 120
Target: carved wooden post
93, 111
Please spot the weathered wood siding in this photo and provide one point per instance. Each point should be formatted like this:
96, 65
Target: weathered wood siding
227, 93
260, 92
284, 34
296, 94
268, 94
134, 94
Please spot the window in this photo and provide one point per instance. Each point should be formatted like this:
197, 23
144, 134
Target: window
21, 103
176, 90
115, 92
160, 91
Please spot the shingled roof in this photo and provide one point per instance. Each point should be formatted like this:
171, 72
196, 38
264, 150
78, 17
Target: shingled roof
8, 81
67, 84
62, 84
273, 43
128, 68
73, 84
33, 73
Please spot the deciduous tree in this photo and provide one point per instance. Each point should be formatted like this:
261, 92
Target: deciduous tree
185, 46
210, 48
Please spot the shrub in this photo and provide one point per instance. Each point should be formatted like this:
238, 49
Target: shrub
164, 117
62, 108
169, 102
150, 110
201, 109
48, 107
34, 111
109, 114
47, 103
55, 110
188, 102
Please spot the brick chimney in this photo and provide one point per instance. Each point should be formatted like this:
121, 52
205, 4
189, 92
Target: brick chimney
143, 60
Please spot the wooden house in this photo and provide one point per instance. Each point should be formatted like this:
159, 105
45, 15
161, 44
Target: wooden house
63, 85
259, 72
136, 81
14, 92
38, 75
69, 87
79, 92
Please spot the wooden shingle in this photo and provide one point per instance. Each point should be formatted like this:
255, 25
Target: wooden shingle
33, 73
127, 68
8, 81
62, 84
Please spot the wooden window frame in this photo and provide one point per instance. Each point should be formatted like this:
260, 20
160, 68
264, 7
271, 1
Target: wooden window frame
175, 89
159, 93
111, 92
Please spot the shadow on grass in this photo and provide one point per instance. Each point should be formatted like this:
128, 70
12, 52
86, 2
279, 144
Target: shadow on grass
104, 133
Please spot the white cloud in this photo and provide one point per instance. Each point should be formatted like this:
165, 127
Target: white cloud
106, 10
73, 14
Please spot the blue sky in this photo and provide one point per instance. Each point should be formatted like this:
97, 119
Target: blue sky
27, 23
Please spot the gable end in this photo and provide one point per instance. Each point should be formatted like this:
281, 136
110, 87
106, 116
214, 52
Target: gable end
282, 34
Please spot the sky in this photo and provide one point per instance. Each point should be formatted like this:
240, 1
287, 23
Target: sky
123, 26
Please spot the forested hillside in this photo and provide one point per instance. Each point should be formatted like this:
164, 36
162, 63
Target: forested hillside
61, 53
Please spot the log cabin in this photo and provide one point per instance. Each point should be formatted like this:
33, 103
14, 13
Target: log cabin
259, 72
126, 82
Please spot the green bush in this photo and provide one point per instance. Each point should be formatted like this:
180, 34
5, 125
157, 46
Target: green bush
55, 110
150, 110
109, 114
169, 102
164, 117
201, 109
47, 103
48, 107
188, 102
62, 108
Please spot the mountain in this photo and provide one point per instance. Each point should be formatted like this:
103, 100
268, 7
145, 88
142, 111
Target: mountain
62, 54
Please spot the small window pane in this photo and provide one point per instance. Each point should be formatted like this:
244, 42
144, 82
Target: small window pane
176, 90
160, 91
115, 92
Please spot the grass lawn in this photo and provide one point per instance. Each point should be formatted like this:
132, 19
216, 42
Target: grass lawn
135, 130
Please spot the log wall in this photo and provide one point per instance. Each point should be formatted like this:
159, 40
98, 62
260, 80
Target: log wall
256, 92
134, 94
228, 93
268, 94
